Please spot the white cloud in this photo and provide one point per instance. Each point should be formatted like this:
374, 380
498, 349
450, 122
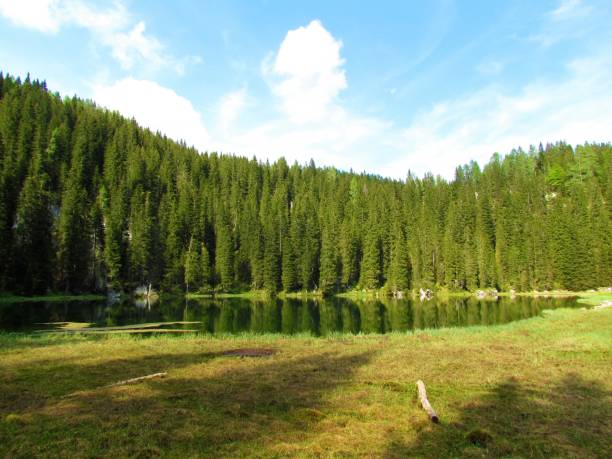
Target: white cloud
49, 16
569, 9
308, 73
110, 26
305, 76
156, 107
344, 141
127, 47
231, 106
575, 109
135, 46
41, 15
570, 20
452, 132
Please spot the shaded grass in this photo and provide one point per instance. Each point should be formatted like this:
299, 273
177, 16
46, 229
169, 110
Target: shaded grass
535, 388
52, 297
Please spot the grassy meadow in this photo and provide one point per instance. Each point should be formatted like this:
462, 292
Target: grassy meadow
535, 388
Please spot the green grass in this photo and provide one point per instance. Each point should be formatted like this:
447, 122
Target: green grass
51, 297
249, 294
595, 298
534, 388
301, 295
367, 294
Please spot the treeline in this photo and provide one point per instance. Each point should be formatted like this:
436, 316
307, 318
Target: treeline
91, 201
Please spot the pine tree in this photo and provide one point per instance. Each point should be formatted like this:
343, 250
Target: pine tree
329, 272
484, 240
115, 240
142, 239
271, 261
74, 242
289, 268
33, 233
96, 217
205, 269
371, 266
399, 272
224, 254
6, 235
193, 267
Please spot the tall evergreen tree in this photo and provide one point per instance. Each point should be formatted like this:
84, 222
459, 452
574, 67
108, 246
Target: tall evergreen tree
205, 269
142, 239
224, 253
371, 266
193, 267
33, 238
399, 273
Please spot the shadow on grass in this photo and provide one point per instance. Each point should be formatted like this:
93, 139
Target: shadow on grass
573, 418
35, 385
239, 408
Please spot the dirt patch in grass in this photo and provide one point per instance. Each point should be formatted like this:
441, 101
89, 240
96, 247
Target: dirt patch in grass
250, 352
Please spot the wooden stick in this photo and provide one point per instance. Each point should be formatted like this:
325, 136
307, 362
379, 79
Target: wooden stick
120, 383
136, 380
425, 403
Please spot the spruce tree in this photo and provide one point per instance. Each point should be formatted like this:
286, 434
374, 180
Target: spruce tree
142, 238
289, 258
224, 253
329, 272
371, 266
193, 267
115, 241
73, 235
399, 272
205, 269
33, 234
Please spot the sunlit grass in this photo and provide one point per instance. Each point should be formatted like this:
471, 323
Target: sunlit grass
595, 298
250, 294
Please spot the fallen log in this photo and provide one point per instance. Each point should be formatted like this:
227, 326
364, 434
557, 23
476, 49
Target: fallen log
425, 403
120, 332
136, 380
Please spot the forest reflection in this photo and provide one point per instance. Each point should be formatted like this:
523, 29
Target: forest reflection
320, 317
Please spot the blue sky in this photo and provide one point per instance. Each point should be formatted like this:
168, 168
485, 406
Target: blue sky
383, 87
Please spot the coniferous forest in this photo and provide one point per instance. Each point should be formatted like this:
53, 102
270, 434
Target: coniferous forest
89, 201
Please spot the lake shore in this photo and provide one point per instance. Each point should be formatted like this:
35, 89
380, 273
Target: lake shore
249, 294
351, 294
536, 387
8, 298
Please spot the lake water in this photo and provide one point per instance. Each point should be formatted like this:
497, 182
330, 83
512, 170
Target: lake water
315, 317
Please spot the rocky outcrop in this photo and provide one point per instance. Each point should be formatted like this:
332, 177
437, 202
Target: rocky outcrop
490, 293
425, 294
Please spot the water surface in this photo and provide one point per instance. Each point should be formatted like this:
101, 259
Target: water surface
314, 317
